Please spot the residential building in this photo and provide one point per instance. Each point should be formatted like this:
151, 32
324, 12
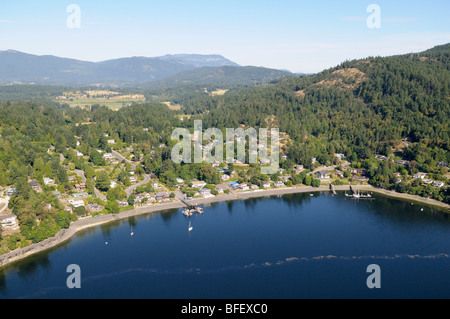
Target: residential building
94, 208
278, 184
420, 175
265, 184
243, 187
162, 196
205, 192
198, 184
122, 203
11, 191
381, 157
35, 186
48, 181
80, 195
9, 220
438, 184
284, 178
323, 175
76, 202
155, 185
298, 169
361, 171
224, 177
80, 187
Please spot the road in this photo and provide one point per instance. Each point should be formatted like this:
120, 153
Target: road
130, 189
120, 157
80, 173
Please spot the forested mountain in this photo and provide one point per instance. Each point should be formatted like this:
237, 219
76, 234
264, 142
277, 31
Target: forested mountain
199, 60
220, 77
359, 108
51, 70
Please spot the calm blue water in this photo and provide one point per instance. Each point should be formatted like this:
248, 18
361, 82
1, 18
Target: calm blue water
295, 246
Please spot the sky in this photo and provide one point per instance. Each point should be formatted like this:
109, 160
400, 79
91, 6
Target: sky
295, 35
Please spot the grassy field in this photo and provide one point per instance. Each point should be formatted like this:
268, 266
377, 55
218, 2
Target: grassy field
110, 99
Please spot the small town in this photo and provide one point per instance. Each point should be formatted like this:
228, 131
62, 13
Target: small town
116, 181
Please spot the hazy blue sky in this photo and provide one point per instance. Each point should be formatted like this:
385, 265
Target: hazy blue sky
301, 36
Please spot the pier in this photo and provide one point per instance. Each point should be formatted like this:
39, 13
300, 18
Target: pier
191, 209
332, 189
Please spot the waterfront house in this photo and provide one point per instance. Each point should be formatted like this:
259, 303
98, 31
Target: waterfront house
76, 202
284, 178
278, 184
122, 203
243, 187
94, 208
160, 197
205, 192
323, 175
265, 184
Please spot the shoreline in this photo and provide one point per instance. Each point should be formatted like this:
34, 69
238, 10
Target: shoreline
66, 234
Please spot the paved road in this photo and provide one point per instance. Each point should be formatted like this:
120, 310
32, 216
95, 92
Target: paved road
120, 157
130, 189
81, 174
83, 180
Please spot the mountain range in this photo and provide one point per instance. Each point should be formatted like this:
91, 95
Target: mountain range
24, 68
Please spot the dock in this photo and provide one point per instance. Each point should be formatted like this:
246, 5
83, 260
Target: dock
191, 209
332, 189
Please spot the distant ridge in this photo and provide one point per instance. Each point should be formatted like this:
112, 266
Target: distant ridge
22, 68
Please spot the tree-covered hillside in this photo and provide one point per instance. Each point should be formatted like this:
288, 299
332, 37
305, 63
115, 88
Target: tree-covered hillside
361, 107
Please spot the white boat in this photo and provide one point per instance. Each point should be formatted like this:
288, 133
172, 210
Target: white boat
187, 212
190, 227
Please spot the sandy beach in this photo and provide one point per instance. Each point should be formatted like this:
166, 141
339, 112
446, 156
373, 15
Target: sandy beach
88, 222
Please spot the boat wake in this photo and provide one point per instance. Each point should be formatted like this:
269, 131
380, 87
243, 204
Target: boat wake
198, 271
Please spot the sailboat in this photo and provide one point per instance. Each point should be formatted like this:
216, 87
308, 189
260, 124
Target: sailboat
132, 233
190, 227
